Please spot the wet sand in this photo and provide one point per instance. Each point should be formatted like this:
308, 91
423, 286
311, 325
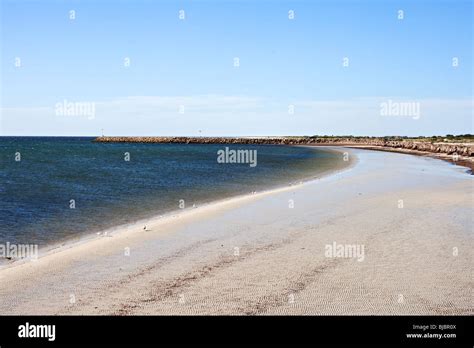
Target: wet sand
266, 253
458, 160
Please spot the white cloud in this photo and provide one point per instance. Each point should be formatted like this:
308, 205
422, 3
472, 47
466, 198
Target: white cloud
215, 115
207, 103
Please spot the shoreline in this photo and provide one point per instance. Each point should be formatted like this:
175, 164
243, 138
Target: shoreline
463, 161
250, 254
75, 241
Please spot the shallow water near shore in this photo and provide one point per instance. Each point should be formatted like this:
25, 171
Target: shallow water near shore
56, 189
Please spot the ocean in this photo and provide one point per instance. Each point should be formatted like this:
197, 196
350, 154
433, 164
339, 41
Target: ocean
54, 189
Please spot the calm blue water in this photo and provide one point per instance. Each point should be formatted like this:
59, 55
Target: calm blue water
35, 192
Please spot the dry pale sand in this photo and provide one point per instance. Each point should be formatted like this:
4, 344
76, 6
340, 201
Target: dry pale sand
256, 255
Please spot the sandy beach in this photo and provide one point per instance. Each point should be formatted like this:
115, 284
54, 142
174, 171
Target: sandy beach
266, 253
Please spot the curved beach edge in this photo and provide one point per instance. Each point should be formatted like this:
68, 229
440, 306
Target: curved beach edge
131, 228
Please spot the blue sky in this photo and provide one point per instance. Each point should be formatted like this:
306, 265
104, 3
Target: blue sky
182, 79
